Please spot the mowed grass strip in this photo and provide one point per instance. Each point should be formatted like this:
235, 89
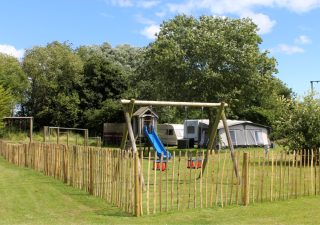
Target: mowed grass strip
30, 197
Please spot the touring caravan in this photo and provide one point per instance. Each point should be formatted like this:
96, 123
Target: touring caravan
171, 135
195, 128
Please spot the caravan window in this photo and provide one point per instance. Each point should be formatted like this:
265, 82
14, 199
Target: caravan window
233, 137
170, 132
190, 129
258, 135
179, 133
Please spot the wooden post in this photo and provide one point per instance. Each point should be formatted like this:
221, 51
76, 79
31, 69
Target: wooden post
226, 129
213, 133
44, 133
34, 156
137, 189
125, 132
19, 152
31, 128
58, 135
26, 156
245, 182
65, 168
91, 172
133, 143
271, 185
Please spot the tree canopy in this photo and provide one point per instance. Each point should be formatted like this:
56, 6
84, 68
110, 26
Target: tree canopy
210, 59
298, 122
103, 86
12, 77
5, 105
53, 71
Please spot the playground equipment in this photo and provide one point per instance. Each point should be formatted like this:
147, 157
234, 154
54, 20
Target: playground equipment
143, 116
156, 143
128, 109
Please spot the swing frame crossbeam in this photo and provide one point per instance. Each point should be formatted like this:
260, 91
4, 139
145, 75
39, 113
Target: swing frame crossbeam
23, 118
128, 106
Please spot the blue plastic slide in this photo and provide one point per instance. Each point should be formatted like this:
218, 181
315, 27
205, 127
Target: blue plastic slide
156, 143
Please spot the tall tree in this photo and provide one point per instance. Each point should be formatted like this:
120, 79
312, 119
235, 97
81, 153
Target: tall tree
127, 57
53, 71
263, 106
13, 78
298, 123
210, 59
103, 86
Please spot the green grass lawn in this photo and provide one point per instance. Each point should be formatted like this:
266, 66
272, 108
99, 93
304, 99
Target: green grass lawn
28, 196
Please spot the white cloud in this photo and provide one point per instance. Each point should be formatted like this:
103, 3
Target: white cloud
10, 50
263, 21
244, 8
144, 20
122, 3
147, 4
302, 40
236, 6
289, 50
161, 14
106, 15
150, 31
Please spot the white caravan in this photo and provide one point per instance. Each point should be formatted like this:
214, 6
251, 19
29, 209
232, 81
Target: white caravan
175, 133
194, 129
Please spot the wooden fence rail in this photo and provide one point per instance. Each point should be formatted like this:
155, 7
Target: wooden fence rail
113, 175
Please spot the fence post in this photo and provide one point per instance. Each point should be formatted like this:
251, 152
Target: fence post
137, 189
44, 133
91, 172
64, 166
58, 133
26, 156
245, 183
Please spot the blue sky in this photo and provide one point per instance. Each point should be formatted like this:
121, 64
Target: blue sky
290, 28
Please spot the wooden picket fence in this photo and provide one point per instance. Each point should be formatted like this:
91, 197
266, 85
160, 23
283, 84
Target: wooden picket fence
113, 175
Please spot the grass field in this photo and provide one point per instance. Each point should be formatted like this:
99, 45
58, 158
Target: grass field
28, 196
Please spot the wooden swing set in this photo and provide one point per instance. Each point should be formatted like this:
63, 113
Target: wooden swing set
128, 106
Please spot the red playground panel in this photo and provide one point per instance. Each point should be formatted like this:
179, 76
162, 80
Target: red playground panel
193, 163
164, 165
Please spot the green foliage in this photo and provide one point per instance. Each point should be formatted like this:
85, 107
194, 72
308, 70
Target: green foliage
54, 71
263, 107
298, 122
212, 59
124, 55
103, 86
13, 78
5, 105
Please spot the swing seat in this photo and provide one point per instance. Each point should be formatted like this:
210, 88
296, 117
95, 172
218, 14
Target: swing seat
191, 163
164, 165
